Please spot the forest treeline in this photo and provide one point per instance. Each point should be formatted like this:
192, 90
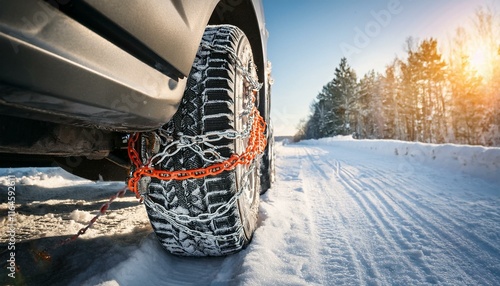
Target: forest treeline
425, 96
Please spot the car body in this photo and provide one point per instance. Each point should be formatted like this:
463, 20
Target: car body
76, 77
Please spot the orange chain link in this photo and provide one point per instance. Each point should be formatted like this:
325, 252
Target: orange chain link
256, 144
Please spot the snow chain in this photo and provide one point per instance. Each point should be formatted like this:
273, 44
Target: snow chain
255, 132
257, 141
43, 255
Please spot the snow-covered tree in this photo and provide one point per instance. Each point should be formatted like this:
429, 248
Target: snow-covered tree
367, 108
421, 97
343, 90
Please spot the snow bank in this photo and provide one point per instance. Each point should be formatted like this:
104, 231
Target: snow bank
476, 161
42, 177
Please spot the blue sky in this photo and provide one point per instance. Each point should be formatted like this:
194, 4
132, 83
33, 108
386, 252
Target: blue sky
308, 39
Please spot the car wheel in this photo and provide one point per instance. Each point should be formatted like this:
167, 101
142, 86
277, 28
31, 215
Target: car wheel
267, 166
213, 215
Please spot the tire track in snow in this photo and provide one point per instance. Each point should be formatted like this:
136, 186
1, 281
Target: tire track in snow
339, 257
322, 228
384, 228
360, 251
383, 214
446, 243
285, 249
454, 224
444, 236
431, 226
373, 226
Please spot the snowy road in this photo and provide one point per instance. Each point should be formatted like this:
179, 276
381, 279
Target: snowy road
375, 221
340, 213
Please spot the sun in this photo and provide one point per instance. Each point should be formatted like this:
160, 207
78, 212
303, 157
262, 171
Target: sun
481, 62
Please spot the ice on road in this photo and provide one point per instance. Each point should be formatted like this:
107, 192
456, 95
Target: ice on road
342, 212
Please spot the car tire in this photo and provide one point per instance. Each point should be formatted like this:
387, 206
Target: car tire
267, 166
215, 215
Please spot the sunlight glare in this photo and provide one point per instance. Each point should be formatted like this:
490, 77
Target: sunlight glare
479, 61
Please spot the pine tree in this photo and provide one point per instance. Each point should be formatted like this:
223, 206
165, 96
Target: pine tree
420, 98
390, 109
343, 89
367, 107
431, 83
410, 101
424, 100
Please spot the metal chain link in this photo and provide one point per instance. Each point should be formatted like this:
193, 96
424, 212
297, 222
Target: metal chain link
44, 253
180, 221
255, 84
102, 211
205, 217
255, 132
257, 142
194, 143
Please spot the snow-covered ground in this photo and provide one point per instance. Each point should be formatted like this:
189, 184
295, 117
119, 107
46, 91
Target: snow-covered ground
342, 212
